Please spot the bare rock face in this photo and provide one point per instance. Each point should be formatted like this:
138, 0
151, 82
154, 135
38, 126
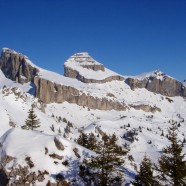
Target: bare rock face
75, 74
48, 92
16, 67
165, 85
79, 64
58, 144
22, 175
146, 108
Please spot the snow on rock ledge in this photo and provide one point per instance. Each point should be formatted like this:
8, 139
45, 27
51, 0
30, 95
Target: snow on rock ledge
84, 68
34, 156
157, 82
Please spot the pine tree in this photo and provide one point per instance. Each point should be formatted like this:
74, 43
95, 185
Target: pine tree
92, 142
103, 169
31, 122
83, 140
145, 175
171, 164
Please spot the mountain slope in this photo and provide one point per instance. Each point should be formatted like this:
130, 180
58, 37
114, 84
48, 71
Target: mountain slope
66, 106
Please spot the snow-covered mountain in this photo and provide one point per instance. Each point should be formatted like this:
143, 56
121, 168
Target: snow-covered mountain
90, 98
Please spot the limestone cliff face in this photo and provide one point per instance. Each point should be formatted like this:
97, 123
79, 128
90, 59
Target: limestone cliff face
146, 108
49, 92
16, 67
78, 64
68, 72
166, 86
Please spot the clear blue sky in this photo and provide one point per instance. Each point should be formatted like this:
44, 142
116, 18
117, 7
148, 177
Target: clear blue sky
127, 36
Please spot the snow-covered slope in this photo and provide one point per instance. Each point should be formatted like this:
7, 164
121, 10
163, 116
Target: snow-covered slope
39, 153
65, 121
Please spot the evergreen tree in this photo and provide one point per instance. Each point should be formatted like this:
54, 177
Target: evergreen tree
31, 122
145, 175
83, 140
171, 164
103, 169
92, 142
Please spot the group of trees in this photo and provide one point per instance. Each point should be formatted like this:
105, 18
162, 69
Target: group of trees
88, 141
105, 167
171, 167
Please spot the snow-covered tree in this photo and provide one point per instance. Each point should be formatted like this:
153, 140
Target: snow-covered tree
31, 122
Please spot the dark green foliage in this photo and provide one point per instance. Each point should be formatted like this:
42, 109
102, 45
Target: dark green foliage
31, 122
64, 120
130, 135
103, 169
83, 140
145, 175
69, 124
67, 129
184, 140
88, 141
92, 142
52, 128
3, 178
130, 157
59, 119
172, 166
59, 131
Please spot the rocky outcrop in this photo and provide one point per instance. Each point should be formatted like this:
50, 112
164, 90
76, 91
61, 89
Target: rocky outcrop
83, 61
146, 108
166, 86
22, 175
16, 67
68, 72
49, 92
58, 144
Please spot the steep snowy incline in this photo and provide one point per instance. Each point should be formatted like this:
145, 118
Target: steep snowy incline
40, 154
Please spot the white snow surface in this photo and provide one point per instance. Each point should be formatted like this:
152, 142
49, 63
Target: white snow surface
22, 144
15, 103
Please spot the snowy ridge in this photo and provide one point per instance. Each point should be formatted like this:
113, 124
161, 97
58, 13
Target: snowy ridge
77, 61
157, 73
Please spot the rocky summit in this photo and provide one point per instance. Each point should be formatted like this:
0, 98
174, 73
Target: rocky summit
90, 99
84, 68
158, 82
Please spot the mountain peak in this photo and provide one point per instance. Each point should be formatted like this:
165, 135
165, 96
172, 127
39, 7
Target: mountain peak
86, 69
84, 59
